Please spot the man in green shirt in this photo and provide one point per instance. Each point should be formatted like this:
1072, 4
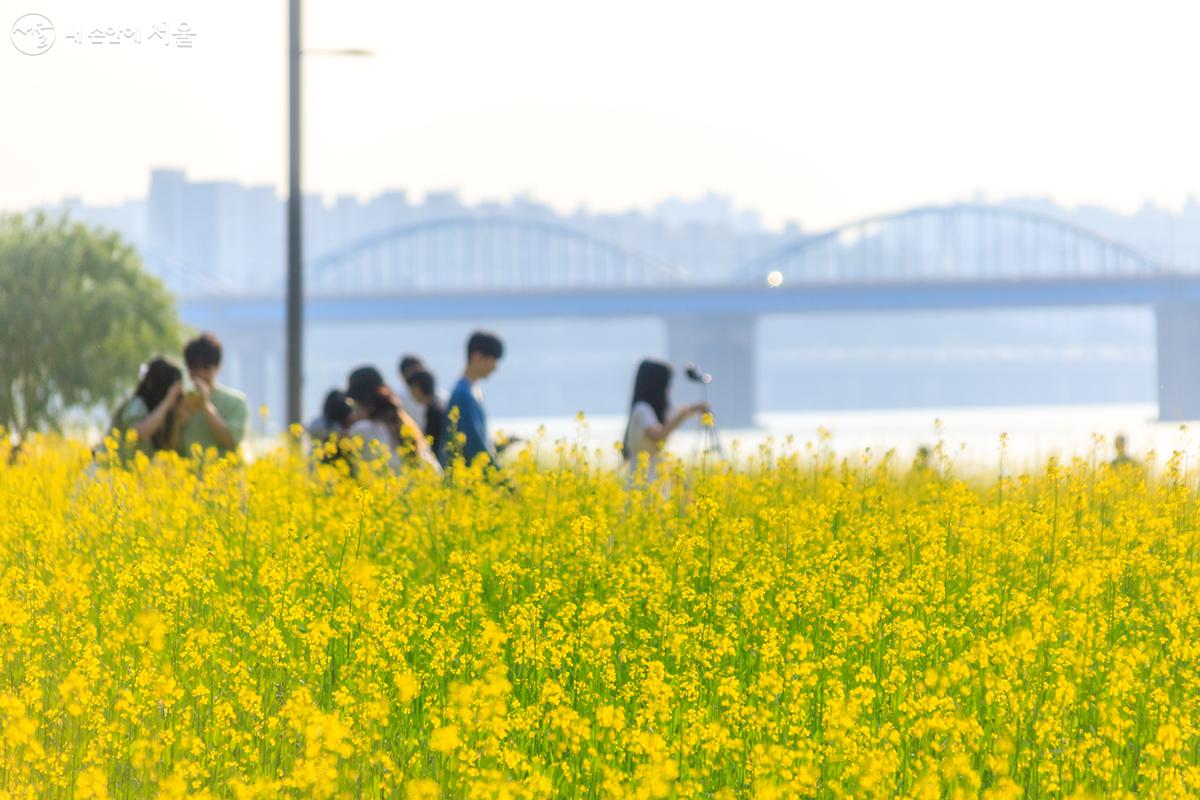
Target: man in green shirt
210, 415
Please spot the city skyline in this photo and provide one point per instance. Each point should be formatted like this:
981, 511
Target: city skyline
223, 235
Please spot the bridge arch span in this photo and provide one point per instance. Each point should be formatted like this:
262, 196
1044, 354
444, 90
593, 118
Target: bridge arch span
472, 253
961, 242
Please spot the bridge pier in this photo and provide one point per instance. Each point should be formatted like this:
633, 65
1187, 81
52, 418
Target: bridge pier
726, 346
1178, 333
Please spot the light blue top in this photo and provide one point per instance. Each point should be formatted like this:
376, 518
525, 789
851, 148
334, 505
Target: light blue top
131, 412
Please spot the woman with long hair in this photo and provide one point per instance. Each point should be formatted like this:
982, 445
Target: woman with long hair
150, 410
379, 417
650, 417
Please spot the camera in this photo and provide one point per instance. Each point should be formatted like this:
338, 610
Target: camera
695, 375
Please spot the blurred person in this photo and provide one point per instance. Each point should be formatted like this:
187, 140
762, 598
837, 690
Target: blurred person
377, 416
423, 388
410, 365
334, 417
332, 422
211, 415
407, 366
650, 417
150, 411
1121, 445
484, 350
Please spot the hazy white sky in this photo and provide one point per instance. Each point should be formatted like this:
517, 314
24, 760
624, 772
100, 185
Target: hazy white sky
814, 111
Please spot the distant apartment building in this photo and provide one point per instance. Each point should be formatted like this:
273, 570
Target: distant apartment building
213, 236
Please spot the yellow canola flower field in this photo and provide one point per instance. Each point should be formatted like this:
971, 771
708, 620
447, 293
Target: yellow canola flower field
802, 626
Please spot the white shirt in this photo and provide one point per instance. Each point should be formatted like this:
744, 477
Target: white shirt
414, 409
371, 430
418, 412
641, 419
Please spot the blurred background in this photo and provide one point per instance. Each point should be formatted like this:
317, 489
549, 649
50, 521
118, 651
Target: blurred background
921, 208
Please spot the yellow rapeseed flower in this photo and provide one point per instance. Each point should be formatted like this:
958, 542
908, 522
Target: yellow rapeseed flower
787, 623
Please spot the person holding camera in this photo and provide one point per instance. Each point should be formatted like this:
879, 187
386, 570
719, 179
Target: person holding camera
650, 417
150, 410
212, 415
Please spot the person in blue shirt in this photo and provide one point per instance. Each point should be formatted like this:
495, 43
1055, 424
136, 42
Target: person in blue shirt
484, 349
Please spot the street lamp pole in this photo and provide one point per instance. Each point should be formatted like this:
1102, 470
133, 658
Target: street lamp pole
294, 332
295, 252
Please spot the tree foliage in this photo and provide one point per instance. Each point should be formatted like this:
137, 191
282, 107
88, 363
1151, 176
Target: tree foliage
77, 315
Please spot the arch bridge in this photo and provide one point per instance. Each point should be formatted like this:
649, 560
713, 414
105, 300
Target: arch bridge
928, 258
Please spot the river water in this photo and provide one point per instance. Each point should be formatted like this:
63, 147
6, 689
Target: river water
971, 436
